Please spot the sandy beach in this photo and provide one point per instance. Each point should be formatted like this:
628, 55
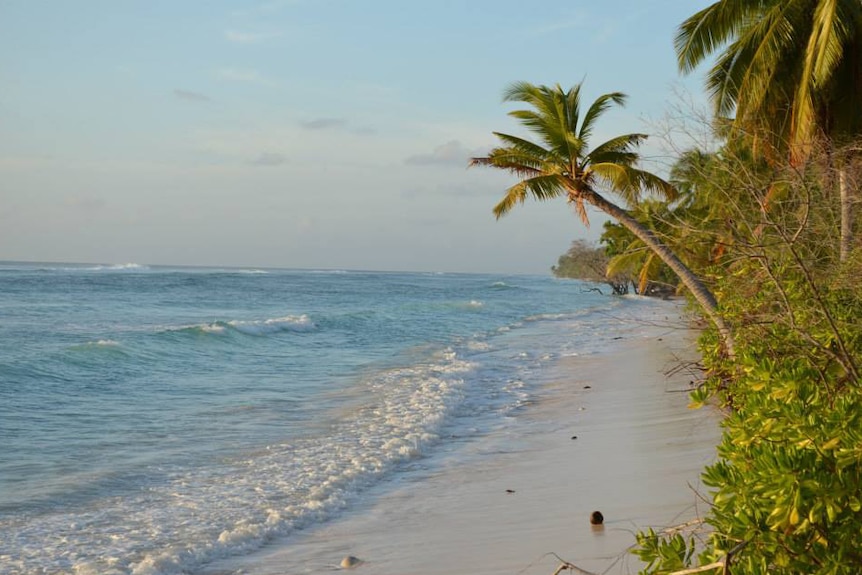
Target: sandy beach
609, 432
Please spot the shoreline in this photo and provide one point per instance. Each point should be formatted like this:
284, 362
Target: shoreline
509, 501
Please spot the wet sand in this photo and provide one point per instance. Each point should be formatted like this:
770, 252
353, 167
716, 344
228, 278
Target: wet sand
507, 502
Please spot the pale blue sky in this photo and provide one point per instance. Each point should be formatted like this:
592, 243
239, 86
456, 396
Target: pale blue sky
300, 133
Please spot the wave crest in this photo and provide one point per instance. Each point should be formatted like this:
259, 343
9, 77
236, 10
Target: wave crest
293, 323
267, 326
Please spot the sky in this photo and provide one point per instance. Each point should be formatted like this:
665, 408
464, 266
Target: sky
321, 134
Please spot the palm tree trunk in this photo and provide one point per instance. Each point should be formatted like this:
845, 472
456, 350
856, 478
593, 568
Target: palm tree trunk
700, 292
846, 213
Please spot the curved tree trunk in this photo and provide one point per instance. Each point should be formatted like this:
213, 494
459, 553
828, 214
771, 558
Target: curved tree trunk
700, 292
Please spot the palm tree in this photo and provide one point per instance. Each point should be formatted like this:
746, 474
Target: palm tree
790, 71
563, 165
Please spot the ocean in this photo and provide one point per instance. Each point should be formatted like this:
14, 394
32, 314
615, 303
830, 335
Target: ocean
158, 420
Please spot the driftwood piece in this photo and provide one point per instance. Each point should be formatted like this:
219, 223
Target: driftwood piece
565, 565
723, 563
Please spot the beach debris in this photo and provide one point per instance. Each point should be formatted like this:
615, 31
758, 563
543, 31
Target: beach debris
588, 387
596, 518
566, 566
574, 437
350, 561
510, 491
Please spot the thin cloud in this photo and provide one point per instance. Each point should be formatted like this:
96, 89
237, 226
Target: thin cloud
247, 75
324, 124
190, 96
238, 37
269, 159
449, 154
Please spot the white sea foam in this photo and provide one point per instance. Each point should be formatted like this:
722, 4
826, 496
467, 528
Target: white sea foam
211, 328
478, 346
223, 511
115, 267
99, 343
267, 326
297, 323
105, 344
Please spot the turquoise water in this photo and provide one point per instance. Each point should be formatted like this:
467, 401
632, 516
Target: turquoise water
155, 420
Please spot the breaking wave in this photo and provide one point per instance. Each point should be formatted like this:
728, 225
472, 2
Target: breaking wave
291, 323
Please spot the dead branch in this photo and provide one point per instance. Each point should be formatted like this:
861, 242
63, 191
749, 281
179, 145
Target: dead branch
702, 568
723, 563
565, 565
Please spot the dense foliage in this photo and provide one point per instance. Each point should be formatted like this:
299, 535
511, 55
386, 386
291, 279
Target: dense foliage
772, 213
759, 227
786, 491
582, 261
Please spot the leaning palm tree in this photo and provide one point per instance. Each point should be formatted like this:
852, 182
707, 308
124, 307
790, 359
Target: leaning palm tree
788, 70
563, 165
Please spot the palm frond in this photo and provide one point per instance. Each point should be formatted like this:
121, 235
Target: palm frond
656, 185
744, 75
581, 210
628, 182
648, 271
825, 47
620, 149
573, 109
521, 92
770, 44
785, 68
548, 118
539, 187
703, 33
822, 56
599, 107
617, 179
628, 261
527, 147
514, 196
511, 160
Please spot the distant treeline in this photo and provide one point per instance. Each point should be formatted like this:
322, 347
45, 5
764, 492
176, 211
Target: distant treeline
602, 264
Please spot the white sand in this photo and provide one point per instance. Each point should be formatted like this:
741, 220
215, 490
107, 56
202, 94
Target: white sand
637, 456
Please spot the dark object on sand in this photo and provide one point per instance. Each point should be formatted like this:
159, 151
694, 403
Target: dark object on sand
574, 437
596, 518
510, 491
588, 387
